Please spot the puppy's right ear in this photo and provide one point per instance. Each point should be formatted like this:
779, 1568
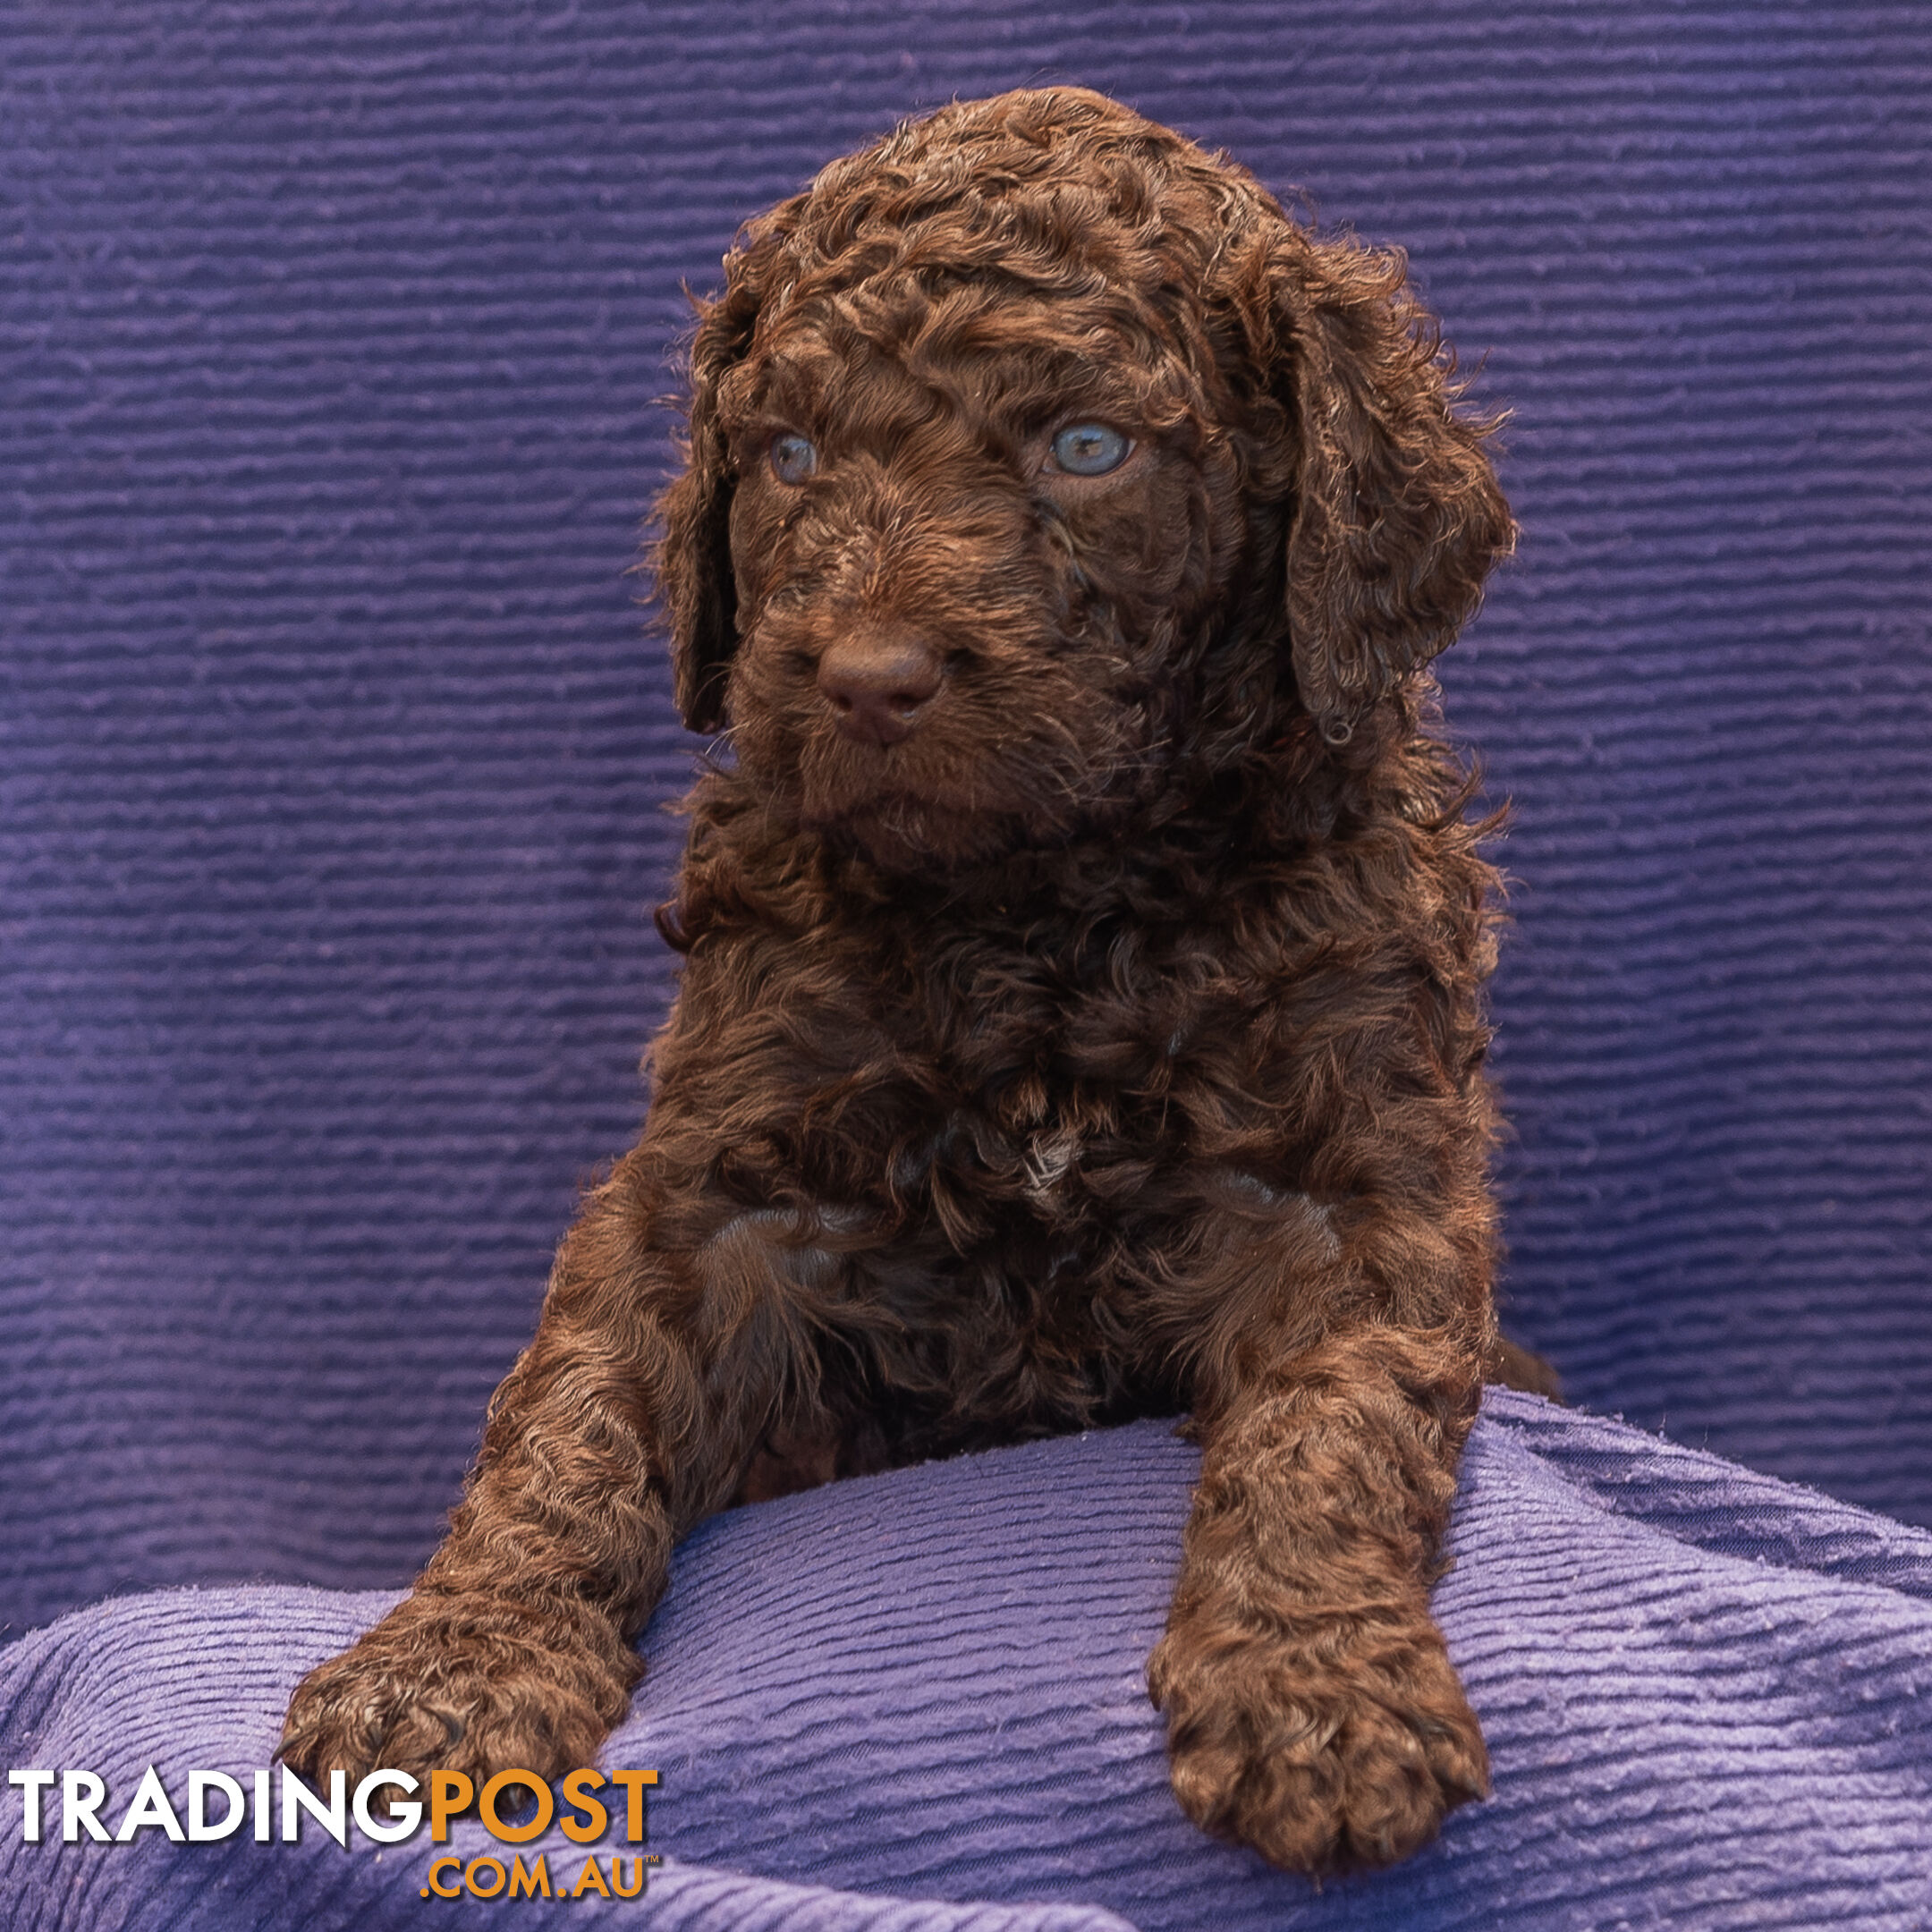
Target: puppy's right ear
1397, 513
692, 558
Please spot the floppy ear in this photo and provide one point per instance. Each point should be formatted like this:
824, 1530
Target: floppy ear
1397, 516
692, 558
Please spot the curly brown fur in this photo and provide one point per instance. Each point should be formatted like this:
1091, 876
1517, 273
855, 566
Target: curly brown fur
1081, 1013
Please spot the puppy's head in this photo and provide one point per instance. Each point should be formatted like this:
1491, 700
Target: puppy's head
1033, 452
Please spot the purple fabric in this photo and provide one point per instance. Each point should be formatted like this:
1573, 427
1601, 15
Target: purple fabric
1704, 1692
331, 751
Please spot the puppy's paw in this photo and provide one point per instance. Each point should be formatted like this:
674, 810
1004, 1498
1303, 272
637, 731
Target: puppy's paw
1337, 1749
474, 1684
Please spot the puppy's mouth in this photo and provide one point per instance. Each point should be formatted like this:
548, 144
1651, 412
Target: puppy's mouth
946, 796
902, 834
905, 819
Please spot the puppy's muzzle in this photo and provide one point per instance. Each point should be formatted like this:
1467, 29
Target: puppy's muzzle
878, 682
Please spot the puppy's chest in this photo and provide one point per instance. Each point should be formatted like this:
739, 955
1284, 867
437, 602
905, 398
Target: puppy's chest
1039, 1152
1069, 1109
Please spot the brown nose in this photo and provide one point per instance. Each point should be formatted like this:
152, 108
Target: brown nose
876, 681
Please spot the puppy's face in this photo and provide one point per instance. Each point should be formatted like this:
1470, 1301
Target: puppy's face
974, 534
1038, 461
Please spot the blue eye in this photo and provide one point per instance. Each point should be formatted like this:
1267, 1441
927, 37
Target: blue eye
793, 458
1089, 449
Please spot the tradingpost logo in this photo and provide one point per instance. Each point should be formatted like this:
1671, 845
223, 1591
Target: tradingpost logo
384, 1809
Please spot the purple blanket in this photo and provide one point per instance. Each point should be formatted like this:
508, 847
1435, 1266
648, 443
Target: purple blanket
915, 1701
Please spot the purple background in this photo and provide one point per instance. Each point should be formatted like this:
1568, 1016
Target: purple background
333, 749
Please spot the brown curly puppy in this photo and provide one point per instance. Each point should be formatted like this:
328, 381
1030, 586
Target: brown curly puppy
1081, 1017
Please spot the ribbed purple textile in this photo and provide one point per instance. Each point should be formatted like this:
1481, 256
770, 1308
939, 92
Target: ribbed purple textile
332, 749
1705, 1695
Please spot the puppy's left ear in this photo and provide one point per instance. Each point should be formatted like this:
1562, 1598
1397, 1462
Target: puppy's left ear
692, 558
1397, 516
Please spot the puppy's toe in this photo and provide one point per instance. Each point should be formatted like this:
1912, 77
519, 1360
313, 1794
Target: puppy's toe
1402, 1772
458, 1690
1319, 1768
350, 1715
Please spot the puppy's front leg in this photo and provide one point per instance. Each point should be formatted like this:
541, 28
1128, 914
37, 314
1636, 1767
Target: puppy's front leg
630, 1416
1311, 1707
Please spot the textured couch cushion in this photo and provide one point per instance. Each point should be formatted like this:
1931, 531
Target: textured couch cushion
1704, 1691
